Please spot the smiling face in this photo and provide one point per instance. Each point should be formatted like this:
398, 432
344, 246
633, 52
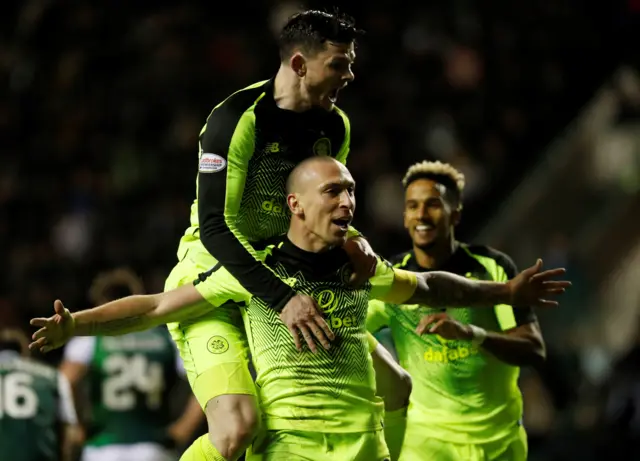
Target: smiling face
429, 215
326, 72
325, 202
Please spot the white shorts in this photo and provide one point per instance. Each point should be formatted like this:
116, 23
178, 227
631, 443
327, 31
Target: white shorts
133, 452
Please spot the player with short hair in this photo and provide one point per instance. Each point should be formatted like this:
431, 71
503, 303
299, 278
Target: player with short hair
129, 380
248, 146
464, 363
315, 406
37, 417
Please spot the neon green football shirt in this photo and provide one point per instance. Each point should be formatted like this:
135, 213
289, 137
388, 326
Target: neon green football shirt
460, 394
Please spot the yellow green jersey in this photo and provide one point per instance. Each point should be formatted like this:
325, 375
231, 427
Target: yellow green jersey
461, 393
332, 390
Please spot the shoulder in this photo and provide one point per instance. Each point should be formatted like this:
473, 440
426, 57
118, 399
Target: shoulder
225, 117
501, 259
241, 100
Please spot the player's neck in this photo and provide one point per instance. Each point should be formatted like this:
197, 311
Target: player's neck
435, 257
306, 240
288, 92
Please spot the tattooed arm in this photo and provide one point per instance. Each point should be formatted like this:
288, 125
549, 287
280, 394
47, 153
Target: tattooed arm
139, 312
531, 287
446, 289
126, 315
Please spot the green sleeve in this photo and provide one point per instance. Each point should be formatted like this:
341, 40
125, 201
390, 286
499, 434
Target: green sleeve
377, 316
382, 281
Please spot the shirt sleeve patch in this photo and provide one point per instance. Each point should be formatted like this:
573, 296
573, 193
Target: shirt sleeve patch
211, 163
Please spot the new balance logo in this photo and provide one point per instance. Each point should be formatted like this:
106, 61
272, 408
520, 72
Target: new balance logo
272, 147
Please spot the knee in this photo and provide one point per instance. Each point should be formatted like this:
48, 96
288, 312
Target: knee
233, 423
237, 433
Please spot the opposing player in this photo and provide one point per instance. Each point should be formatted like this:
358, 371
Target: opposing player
464, 363
37, 416
250, 143
129, 379
315, 406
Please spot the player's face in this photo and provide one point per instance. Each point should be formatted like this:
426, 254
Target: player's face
428, 216
329, 203
328, 72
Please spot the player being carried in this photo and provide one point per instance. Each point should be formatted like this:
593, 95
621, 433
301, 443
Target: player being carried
464, 363
316, 406
129, 380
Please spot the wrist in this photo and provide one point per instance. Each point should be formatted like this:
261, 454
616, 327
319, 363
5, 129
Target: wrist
505, 294
478, 335
467, 333
76, 326
284, 299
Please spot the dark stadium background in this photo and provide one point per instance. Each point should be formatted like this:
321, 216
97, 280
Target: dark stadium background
536, 102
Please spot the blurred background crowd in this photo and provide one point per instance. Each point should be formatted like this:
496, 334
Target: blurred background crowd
537, 103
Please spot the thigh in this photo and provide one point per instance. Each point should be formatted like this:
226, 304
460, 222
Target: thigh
213, 347
215, 353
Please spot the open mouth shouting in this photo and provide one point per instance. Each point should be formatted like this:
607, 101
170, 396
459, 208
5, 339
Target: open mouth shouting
342, 223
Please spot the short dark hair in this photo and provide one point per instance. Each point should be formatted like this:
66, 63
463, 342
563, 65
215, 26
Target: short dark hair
311, 29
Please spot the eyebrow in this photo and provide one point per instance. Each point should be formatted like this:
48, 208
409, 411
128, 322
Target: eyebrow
342, 57
344, 183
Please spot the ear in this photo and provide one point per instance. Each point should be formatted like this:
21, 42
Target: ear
299, 64
294, 205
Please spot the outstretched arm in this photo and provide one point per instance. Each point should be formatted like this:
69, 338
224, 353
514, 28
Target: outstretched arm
443, 289
126, 315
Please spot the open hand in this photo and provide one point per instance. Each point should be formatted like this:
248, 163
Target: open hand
55, 331
533, 288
